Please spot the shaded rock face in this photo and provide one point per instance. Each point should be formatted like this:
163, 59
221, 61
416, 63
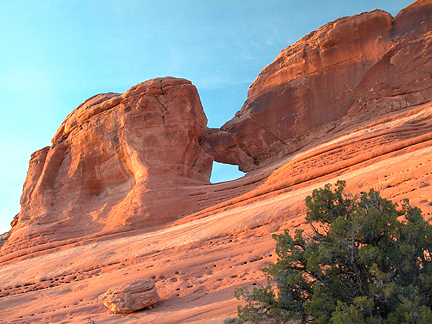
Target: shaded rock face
130, 297
117, 161
346, 71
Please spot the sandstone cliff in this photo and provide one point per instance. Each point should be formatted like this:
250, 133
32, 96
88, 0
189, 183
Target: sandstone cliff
131, 161
116, 163
347, 71
352, 101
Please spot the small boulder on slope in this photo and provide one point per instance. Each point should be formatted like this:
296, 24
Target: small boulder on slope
129, 297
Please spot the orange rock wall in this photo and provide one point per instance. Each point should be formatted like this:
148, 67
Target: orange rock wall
123, 192
363, 65
115, 163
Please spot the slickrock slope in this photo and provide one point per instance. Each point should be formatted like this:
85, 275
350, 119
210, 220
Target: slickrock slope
117, 162
199, 260
349, 70
381, 139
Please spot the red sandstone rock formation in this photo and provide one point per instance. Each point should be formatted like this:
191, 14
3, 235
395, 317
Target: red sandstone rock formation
360, 66
116, 162
382, 140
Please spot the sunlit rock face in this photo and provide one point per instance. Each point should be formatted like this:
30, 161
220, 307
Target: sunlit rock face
346, 71
116, 162
135, 160
131, 161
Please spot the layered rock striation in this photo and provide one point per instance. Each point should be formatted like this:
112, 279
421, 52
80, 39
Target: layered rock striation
345, 72
141, 160
116, 162
129, 161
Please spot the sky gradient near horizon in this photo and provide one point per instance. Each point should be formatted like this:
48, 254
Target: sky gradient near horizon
56, 54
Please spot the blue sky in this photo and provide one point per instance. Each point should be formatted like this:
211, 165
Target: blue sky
56, 54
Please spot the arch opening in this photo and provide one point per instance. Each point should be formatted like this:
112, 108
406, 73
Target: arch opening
222, 172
